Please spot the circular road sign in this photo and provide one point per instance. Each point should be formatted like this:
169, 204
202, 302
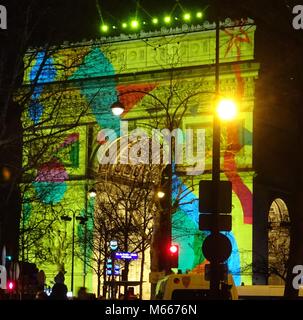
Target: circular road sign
216, 248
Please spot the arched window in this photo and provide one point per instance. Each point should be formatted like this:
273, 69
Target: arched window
278, 242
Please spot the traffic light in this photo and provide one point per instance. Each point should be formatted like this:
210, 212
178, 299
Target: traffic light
173, 256
10, 286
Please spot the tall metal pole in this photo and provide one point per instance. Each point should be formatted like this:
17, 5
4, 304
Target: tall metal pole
22, 258
170, 209
73, 253
216, 122
85, 250
214, 268
113, 293
85, 236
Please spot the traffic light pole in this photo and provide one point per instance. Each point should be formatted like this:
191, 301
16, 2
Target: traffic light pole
169, 211
214, 267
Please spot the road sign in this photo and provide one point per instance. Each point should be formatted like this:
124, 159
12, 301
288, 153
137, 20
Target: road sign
216, 248
113, 244
209, 221
109, 266
109, 272
126, 255
215, 197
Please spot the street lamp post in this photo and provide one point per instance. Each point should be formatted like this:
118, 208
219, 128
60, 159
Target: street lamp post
82, 221
92, 193
73, 254
225, 110
214, 277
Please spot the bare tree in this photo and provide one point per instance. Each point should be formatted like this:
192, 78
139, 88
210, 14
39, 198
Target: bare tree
124, 211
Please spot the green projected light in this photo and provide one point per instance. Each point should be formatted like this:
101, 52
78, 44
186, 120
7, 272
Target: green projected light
134, 24
167, 19
187, 16
104, 28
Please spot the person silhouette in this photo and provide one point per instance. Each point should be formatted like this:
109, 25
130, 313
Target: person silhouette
59, 290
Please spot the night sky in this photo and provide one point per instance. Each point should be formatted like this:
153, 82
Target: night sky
74, 20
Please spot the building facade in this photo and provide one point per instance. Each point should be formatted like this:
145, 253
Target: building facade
165, 80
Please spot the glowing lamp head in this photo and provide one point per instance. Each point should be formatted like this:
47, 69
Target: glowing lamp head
227, 109
134, 24
160, 194
104, 28
92, 193
199, 14
187, 16
124, 25
173, 249
167, 19
6, 174
155, 20
117, 108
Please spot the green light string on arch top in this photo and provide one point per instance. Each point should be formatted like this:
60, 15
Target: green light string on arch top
135, 23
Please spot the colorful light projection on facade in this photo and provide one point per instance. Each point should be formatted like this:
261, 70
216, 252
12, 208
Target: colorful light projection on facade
50, 183
42, 72
100, 94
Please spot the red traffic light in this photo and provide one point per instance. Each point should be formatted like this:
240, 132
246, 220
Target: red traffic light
173, 248
10, 285
173, 256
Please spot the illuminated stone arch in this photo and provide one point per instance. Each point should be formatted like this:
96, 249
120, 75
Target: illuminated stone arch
278, 241
123, 174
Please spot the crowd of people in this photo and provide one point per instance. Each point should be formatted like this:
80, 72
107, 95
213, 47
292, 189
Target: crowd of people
59, 292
